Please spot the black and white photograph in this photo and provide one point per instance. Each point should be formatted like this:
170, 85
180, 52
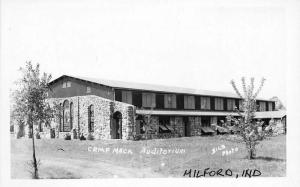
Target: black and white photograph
151, 89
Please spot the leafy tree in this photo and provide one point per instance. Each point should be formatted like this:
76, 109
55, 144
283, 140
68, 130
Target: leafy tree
30, 104
250, 130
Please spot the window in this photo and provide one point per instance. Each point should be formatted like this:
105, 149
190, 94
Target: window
170, 101
127, 97
189, 102
64, 84
88, 89
270, 106
91, 118
149, 100
71, 115
61, 117
262, 106
230, 104
219, 104
66, 116
205, 103
68, 84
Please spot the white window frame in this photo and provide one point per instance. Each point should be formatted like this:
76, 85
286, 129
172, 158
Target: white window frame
88, 89
219, 103
204, 103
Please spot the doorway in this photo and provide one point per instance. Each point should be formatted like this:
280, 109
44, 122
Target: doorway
187, 126
116, 127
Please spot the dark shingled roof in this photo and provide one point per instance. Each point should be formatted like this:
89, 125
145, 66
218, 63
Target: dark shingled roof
154, 87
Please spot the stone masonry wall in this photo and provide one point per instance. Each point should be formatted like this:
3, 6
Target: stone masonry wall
102, 116
195, 125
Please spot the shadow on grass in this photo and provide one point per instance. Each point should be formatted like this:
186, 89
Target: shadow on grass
266, 158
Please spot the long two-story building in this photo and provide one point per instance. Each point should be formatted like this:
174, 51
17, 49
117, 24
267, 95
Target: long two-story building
108, 109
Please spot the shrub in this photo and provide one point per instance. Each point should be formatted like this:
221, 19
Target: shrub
90, 137
82, 137
52, 133
137, 137
67, 137
37, 136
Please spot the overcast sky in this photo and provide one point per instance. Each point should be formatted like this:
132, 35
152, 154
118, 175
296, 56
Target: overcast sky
181, 43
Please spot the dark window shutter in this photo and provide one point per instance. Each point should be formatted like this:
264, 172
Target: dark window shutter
197, 103
118, 95
159, 101
225, 103
180, 101
267, 106
273, 105
137, 99
212, 103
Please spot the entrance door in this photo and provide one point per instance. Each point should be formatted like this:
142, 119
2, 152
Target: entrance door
187, 126
116, 128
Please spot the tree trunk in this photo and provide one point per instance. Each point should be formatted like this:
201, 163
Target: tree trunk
251, 152
35, 174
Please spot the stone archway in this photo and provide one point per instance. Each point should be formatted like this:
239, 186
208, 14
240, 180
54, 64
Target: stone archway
116, 126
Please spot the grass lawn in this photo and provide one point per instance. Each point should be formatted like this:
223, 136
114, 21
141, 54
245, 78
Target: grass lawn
77, 159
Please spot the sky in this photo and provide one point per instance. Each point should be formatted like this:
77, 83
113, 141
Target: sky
193, 44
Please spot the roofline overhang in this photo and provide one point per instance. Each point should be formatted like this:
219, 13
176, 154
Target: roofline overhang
115, 87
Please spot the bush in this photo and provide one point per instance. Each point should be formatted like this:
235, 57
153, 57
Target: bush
137, 137
90, 137
37, 136
52, 133
67, 137
82, 137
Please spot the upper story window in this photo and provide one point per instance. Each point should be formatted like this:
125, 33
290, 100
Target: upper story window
219, 105
262, 106
170, 101
230, 104
270, 107
205, 103
127, 97
189, 102
66, 84
148, 100
88, 89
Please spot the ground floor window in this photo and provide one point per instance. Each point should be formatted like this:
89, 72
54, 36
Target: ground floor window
66, 117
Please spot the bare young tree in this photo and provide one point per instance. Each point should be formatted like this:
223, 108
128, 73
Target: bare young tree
250, 130
30, 104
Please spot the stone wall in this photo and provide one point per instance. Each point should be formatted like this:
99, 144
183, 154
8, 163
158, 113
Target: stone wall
175, 122
103, 111
195, 126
